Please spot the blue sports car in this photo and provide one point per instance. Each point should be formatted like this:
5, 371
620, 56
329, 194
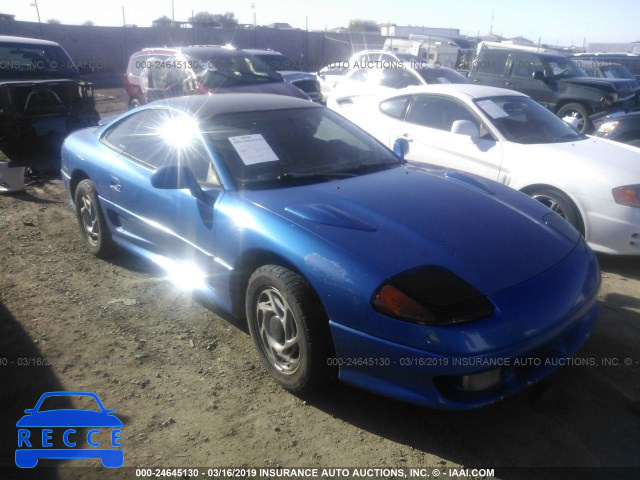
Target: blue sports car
434, 287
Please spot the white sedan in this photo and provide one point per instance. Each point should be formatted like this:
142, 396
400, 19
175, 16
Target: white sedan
506, 136
368, 79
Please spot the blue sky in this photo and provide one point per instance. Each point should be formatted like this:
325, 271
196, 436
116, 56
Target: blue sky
553, 21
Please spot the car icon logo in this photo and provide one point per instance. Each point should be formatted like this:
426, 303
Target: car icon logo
69, 433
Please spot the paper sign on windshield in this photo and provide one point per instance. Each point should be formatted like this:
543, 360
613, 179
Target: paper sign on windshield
492, 109
253, 149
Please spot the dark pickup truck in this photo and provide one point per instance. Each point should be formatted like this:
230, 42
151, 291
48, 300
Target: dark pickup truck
42, 100
554, 81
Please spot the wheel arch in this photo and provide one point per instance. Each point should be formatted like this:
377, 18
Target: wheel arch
246, 264
565, 101
530, 189
76, 177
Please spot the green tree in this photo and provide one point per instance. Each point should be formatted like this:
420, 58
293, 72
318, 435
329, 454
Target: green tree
363, 26
88, 23
163, 21
215, 20
53, 21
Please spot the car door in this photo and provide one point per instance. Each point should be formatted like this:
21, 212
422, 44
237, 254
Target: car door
428, 127
522, 67
173, 223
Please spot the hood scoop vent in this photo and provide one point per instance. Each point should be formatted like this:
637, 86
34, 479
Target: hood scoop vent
469, 180
328, 215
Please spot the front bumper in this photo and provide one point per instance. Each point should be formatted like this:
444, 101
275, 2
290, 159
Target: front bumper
430, 376
611, 228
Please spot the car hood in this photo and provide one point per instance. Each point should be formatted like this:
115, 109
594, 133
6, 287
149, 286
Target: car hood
600, 163
292, 75
69, 418
398, 219
605, 84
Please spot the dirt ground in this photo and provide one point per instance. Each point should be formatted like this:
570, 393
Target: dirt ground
188, 386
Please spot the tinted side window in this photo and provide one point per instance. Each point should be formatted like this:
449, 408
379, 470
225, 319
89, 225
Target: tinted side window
151, 144
525, 64
395, 107
121, 134
438, 112
492, 62
398, 78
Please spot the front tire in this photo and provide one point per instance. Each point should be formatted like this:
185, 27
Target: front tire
289, 328
93, 227
561, 204
580, 113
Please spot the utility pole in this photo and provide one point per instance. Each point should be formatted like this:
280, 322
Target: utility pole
491, 27
173, 11
35, 4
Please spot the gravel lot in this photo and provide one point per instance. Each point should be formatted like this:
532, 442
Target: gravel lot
188, 386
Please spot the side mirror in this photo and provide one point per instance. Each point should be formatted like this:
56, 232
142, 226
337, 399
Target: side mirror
401, 147
538, 75
176, 177
466, 128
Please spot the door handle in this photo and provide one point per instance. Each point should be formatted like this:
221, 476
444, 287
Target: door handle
114, 183
476, 80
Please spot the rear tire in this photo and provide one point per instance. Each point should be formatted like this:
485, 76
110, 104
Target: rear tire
93, 227
289, 328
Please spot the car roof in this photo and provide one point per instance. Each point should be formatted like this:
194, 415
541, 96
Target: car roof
612, 54
192, 50
26, 40
209, 105
520, 51
258, 51
459, 90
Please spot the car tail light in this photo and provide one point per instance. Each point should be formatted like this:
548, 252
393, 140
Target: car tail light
431, 295
628, 195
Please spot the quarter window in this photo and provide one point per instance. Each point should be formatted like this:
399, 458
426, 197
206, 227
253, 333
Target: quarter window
395, 107
492, 62
438, 112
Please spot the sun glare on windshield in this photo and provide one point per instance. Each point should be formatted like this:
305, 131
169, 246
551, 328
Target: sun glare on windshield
179, 132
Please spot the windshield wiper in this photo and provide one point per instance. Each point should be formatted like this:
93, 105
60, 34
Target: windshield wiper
313, 175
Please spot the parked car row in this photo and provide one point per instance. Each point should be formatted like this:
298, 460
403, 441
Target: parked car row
157, 73
584, 88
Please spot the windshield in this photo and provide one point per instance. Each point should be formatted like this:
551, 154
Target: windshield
523, 120
285, 147
441, 75
19, 60
616, 71
565, 68
236, 70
